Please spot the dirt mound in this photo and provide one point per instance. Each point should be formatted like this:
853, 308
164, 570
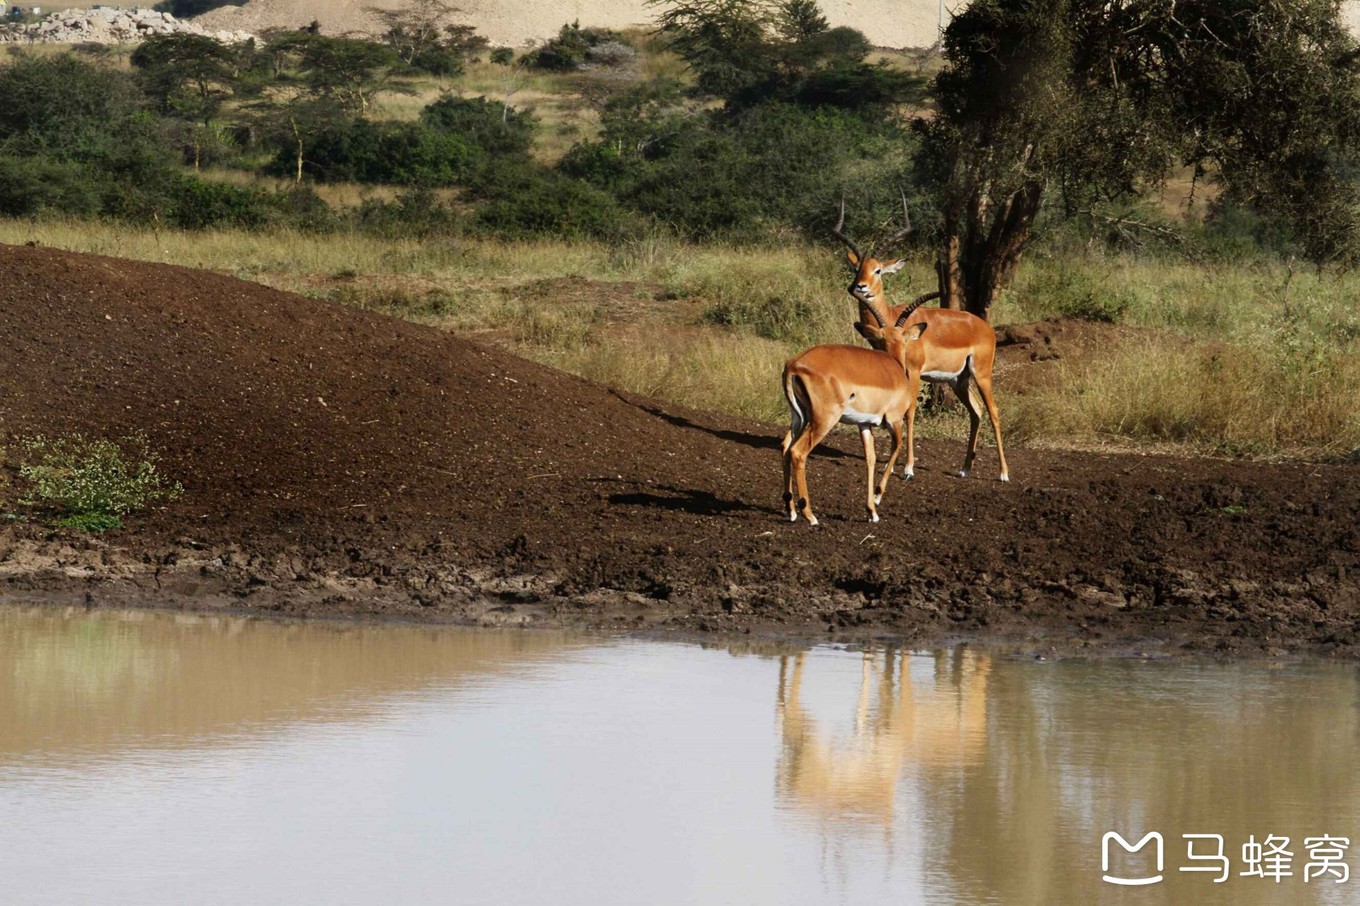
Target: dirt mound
887, 23
341, 462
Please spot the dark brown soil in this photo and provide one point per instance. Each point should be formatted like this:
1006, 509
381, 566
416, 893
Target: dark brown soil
343, 463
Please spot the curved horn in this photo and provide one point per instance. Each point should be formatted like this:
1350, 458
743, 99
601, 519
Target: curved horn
877, 317
906, 220
836, 231
916, 303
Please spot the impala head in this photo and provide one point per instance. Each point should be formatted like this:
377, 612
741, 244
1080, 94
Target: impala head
867, 284
892, 340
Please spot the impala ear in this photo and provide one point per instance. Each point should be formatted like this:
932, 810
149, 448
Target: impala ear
914, 331
854, 259
895, 266
872, 334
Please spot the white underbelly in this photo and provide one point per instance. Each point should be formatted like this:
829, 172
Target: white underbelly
947, 377
852, 417
942, 377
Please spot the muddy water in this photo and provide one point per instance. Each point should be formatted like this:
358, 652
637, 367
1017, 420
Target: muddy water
155, 759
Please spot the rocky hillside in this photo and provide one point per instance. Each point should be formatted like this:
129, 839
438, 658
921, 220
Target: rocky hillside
110, 26
888, 23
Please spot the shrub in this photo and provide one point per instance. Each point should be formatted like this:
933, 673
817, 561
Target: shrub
1074, 292
31, 186
488, 126
365, 151
524, 199
196, 204
92, 482
576, 48
413, 214
767, 170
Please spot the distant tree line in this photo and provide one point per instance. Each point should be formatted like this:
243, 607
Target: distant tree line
1045, 113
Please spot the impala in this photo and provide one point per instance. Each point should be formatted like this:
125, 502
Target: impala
850, 385
959, 349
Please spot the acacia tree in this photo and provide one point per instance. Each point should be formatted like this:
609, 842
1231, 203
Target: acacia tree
189, 77
425, 36
1085, 100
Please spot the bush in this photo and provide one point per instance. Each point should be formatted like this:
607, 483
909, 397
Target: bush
196, 204
91, 483
413, 214
365, 151
30, 186
488, 126
1074, 292
65, 109
525, 199
577, 48
767, 170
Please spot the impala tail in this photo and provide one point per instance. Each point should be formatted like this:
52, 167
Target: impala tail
796, 393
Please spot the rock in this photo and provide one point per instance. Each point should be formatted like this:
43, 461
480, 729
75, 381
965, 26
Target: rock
110, 26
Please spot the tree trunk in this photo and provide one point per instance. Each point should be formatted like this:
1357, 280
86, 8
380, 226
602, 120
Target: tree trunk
982, 245
297, 134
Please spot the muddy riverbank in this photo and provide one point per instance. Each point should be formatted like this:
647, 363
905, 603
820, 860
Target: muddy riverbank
340, 463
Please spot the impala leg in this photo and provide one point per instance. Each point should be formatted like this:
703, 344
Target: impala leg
867, 435
962, 389
913, 391
896, 428
803, 445
984, 385
786, 456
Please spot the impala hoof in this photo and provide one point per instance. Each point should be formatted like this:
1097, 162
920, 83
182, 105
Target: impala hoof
873, 517
878, 498
1005, 477
963, 473
812, 520
793, 517
908, 474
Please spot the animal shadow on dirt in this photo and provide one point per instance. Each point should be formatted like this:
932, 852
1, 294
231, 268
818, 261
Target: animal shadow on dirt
746, 439
688, 500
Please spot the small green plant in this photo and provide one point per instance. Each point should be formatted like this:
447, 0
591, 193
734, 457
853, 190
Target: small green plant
90, 483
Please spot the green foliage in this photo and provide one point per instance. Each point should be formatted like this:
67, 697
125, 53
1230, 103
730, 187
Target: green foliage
195, 204
92, 482
1081, 101
63, 108
89, 522
413, 214
366, 151
518, 199
765, 169
344, 73
1076, 292
752, 52
188, 76
30, 185
426, 39
503, 56
577, 48
491, 127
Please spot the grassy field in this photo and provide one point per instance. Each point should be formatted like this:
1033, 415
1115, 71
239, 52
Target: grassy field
1220, 359
1254, 359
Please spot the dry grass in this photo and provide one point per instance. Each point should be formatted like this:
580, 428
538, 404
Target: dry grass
1245, 359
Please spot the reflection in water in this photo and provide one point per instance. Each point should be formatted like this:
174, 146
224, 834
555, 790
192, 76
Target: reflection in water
77, 681
336, 763
897, 721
